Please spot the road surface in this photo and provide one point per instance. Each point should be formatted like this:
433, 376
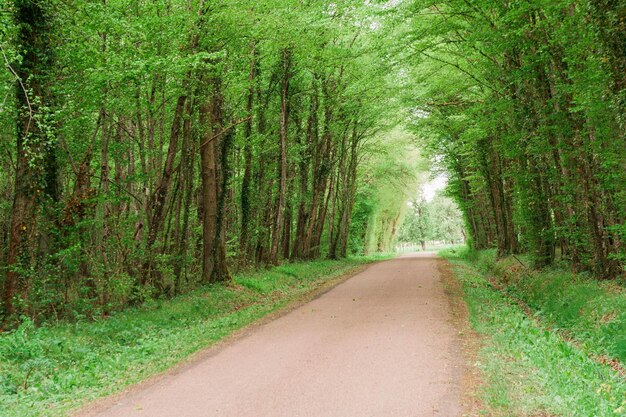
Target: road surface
381, 344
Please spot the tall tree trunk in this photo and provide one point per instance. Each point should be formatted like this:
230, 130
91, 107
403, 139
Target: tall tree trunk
284, 117
187, 165
246, 194
322, 168
214, 266
304, 215
33, 21
158, 199
350, 194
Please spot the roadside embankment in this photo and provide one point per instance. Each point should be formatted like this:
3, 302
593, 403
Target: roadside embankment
554, 342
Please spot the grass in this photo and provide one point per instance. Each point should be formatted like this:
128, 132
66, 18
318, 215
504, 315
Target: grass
590, 311
528, 367
51, 370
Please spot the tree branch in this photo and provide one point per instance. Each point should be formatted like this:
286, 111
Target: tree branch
225, 130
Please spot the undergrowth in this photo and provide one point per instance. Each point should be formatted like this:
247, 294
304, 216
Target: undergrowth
50, 370
529, 368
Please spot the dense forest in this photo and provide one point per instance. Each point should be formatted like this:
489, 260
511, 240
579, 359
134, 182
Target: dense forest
148, 147
522, 104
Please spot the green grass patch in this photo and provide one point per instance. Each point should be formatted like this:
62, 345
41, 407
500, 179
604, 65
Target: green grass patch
529, 369
590, 311
51, 370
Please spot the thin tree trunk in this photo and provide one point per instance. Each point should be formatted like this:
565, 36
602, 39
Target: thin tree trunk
158, 199
244, 236
284, 117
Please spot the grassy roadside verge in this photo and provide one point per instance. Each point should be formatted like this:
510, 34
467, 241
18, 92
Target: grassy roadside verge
49, 371
589, 311
528, 368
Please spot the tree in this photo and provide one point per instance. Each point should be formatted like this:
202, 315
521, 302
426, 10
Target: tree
189, 138
418, 226
36, 172
512, 113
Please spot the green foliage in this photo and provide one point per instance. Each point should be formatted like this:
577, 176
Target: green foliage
519, 104
418, 225
392, 176
438, 220
120, 94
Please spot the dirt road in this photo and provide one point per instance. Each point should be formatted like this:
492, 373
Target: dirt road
379, 345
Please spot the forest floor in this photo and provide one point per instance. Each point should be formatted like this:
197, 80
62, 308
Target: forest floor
383, 343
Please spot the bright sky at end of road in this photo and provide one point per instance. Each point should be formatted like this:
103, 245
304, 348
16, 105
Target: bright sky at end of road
431, 187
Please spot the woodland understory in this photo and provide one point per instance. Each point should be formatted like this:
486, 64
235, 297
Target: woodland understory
149, 147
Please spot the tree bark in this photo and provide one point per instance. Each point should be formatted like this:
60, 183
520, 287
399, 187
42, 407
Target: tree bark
33, 96
246, 194
214, 268
284, 117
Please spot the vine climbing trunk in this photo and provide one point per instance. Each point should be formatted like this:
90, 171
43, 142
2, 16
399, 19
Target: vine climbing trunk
33, 180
